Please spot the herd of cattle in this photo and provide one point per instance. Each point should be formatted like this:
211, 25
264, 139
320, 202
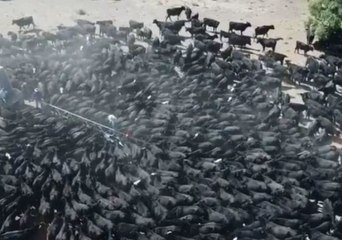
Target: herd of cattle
206, 145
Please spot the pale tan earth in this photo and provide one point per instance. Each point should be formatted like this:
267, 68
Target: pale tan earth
288, 16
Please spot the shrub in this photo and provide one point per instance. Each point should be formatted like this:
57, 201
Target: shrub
325, 18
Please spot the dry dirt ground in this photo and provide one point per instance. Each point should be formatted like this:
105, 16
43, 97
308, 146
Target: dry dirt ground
288, 16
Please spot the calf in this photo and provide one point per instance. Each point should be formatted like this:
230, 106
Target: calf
174, 12
211, 23
239, 26
303, 46
241, 41
268, 43
263, 30
24, 22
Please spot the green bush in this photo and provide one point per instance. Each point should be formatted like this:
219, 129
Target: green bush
325, 18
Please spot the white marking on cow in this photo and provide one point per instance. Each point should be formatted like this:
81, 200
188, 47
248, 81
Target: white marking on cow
8, 156
137, 182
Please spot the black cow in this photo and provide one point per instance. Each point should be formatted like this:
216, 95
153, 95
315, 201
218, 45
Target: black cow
239, 26
211, 23
135, 25
268, 43
174, 12
196, 30
195, 16
224, 34
303, 46
239, 40
276, 56
263, 30
109, 30
205, 36
104, 26
226, 52
144, 33
196, 23
24, 22
175, 27
188, 13
212, 46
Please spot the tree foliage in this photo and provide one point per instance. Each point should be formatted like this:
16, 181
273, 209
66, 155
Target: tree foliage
325, 18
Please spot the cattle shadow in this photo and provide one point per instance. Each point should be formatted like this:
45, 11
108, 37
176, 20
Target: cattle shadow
304, 55
302, 86
252, 49
286, 88
249, 51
